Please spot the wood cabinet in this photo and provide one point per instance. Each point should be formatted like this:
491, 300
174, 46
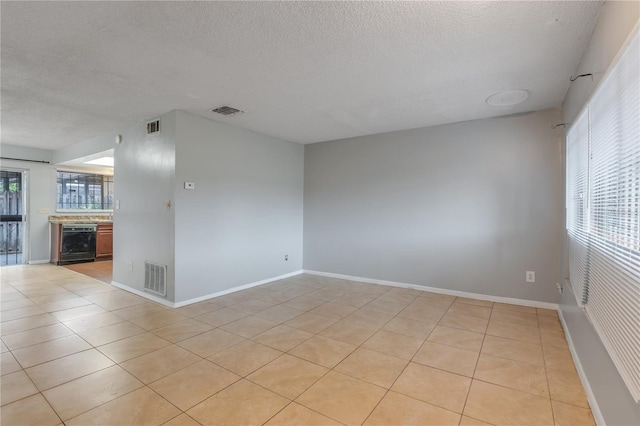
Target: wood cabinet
104, 241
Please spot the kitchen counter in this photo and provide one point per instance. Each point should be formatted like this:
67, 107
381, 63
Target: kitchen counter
60, 219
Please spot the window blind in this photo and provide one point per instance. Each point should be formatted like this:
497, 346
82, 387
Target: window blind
604, 249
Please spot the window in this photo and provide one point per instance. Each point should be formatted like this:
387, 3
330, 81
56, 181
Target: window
84, 191
603, 212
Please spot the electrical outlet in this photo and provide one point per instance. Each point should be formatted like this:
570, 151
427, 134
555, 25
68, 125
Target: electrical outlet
559, 288
531, 276
42, 210
286, 257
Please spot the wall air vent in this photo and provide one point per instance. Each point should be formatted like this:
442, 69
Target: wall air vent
153, 127
155, 278
227, 110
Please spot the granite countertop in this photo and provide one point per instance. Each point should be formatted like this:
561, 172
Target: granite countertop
81, 219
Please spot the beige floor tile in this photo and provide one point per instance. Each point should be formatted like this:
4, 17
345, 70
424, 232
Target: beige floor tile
47, 351
547, 312
525, 319
27, 323
9, 363
252, 306
570, 415
61, 305
93, 321
503, 406
25, 312
181, 420
468, 421
140, 407
516, 350
323, 351
470, 310
111, 333
287, 375
3, 347
304, 303
423, 312
159, 319
157, 364
181, 330
131, 347
558, 359
222, 316
386, 306
249, 326
35, 336
477, 302
553, 339
510, 307
15, 386
434, 386
196, 309
245, 357
409, 327
33, 410
464, 322
342, 398
194, 384
455, 337
76, 313
396, 409
85, 393
348, 332
68, 368
512, 374
311, 323
513, 331
15, 303
565, 386
369, 318
393, 344
279, 313
282, 337
114, 300
210, 342
448, 358
258, 405
550, 323
140, 310
333, 310
295, 415
372, 367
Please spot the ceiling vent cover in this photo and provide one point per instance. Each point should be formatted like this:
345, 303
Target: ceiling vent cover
155, 278
227, 110
153, 127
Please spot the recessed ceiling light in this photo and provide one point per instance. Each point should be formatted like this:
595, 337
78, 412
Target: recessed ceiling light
104, 161
508, 98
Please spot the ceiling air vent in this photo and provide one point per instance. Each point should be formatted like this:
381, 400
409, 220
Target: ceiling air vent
153, 127
227, 110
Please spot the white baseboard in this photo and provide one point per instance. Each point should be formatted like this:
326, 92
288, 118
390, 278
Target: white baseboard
143, 294
593, 403
38, 262
234, 289
205, 297
499, 299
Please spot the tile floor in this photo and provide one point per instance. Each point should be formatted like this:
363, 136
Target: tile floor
101, 270
302, 351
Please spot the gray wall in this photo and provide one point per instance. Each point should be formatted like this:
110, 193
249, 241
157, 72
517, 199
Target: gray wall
41, 194
245, 212
616, 21
468, 206
144, 182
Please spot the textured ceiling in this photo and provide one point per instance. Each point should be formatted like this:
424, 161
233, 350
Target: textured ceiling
302, 71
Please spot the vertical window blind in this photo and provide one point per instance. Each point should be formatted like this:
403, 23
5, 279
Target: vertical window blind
603, 212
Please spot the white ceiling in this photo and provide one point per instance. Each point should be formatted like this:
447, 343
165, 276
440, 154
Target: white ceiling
302, 71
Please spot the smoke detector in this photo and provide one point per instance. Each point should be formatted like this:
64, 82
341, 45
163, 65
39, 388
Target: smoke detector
227, 110
508, 98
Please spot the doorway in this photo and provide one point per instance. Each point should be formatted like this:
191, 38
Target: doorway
12, 217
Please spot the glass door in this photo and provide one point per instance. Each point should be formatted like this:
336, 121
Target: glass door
12, 217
